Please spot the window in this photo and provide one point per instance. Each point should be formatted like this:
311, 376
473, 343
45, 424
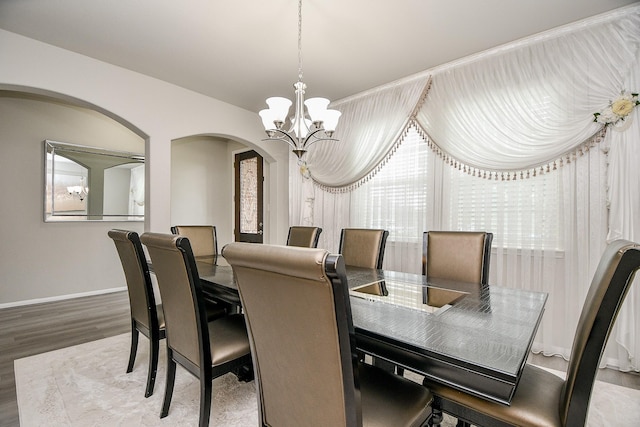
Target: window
396, 198
522, 213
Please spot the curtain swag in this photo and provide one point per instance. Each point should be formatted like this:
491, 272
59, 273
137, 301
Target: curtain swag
512, 114
394, 147
511, 175
371, 174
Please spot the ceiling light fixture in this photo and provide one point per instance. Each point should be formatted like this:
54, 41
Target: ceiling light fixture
317, 124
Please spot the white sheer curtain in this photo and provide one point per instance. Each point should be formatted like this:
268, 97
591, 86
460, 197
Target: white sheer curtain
370, 129
521, 110
532, 103
529, 110
624, 223
398, 199
311, 206
136, 191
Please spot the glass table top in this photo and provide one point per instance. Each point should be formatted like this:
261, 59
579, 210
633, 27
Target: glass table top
487, 327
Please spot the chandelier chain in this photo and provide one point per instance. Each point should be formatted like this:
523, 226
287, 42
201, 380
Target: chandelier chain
299, 40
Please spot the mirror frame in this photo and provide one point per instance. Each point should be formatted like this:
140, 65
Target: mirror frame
53, 148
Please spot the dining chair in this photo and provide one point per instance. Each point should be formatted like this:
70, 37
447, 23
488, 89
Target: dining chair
298, 315
457, 255
542, 398
363, 247
146, 316
204, 243
205, 349
304, 237
203, 238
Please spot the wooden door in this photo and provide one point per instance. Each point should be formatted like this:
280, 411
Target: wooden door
249, 181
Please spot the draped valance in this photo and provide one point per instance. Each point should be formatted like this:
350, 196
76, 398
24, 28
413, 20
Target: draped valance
522, 108
369, 126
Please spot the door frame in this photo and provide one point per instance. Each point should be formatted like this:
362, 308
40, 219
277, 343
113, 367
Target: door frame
248, 237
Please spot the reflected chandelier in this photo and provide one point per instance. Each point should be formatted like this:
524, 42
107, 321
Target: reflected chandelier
80, 191
318, 124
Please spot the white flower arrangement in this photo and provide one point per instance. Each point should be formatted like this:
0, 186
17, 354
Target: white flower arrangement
304, 169
617, 110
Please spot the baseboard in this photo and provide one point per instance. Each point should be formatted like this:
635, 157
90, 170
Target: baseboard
61, 297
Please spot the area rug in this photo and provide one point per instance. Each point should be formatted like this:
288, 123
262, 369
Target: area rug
86, 385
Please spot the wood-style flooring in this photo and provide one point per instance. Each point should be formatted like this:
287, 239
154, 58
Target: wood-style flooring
38, 328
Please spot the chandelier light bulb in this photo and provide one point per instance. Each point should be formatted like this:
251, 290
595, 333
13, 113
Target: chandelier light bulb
331, 118
316, 108
280, 107
268, 119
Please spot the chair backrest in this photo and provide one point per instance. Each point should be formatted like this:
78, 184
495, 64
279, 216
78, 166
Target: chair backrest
182, 302
457, 255
301, 376
609, 287
136, 271
363, 247
304, 237
203, 238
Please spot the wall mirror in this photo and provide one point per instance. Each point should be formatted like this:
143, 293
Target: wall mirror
89, 183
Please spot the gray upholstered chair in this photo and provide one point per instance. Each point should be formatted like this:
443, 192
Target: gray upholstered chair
205, 349
304, 237
203, 238
363, 247
542, 398
298, 314
457, 255
146, 316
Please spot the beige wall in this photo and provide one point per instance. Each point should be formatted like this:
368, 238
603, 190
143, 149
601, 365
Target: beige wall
201, 185
38, 259
158, 113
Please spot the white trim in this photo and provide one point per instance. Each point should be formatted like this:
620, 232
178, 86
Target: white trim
60, 297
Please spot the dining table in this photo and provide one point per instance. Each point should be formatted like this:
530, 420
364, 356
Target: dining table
475, 338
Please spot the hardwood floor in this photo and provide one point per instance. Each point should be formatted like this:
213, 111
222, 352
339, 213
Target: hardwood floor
38, 328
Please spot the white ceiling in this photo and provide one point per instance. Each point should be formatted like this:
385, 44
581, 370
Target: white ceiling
243, 51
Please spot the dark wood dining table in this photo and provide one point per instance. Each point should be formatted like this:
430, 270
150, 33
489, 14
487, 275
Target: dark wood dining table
472, 337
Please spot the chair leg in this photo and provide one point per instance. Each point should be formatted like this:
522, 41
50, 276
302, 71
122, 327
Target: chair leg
244, 373
205, 400
134, 346
171, 377
154, 349
463, 424
436, 417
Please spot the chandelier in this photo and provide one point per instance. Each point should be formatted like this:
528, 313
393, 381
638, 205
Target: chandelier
316, 124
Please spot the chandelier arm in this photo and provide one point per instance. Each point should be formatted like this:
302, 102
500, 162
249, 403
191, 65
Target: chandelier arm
308, 140
284, 137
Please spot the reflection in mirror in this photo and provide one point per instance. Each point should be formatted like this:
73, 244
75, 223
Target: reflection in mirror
88, 183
